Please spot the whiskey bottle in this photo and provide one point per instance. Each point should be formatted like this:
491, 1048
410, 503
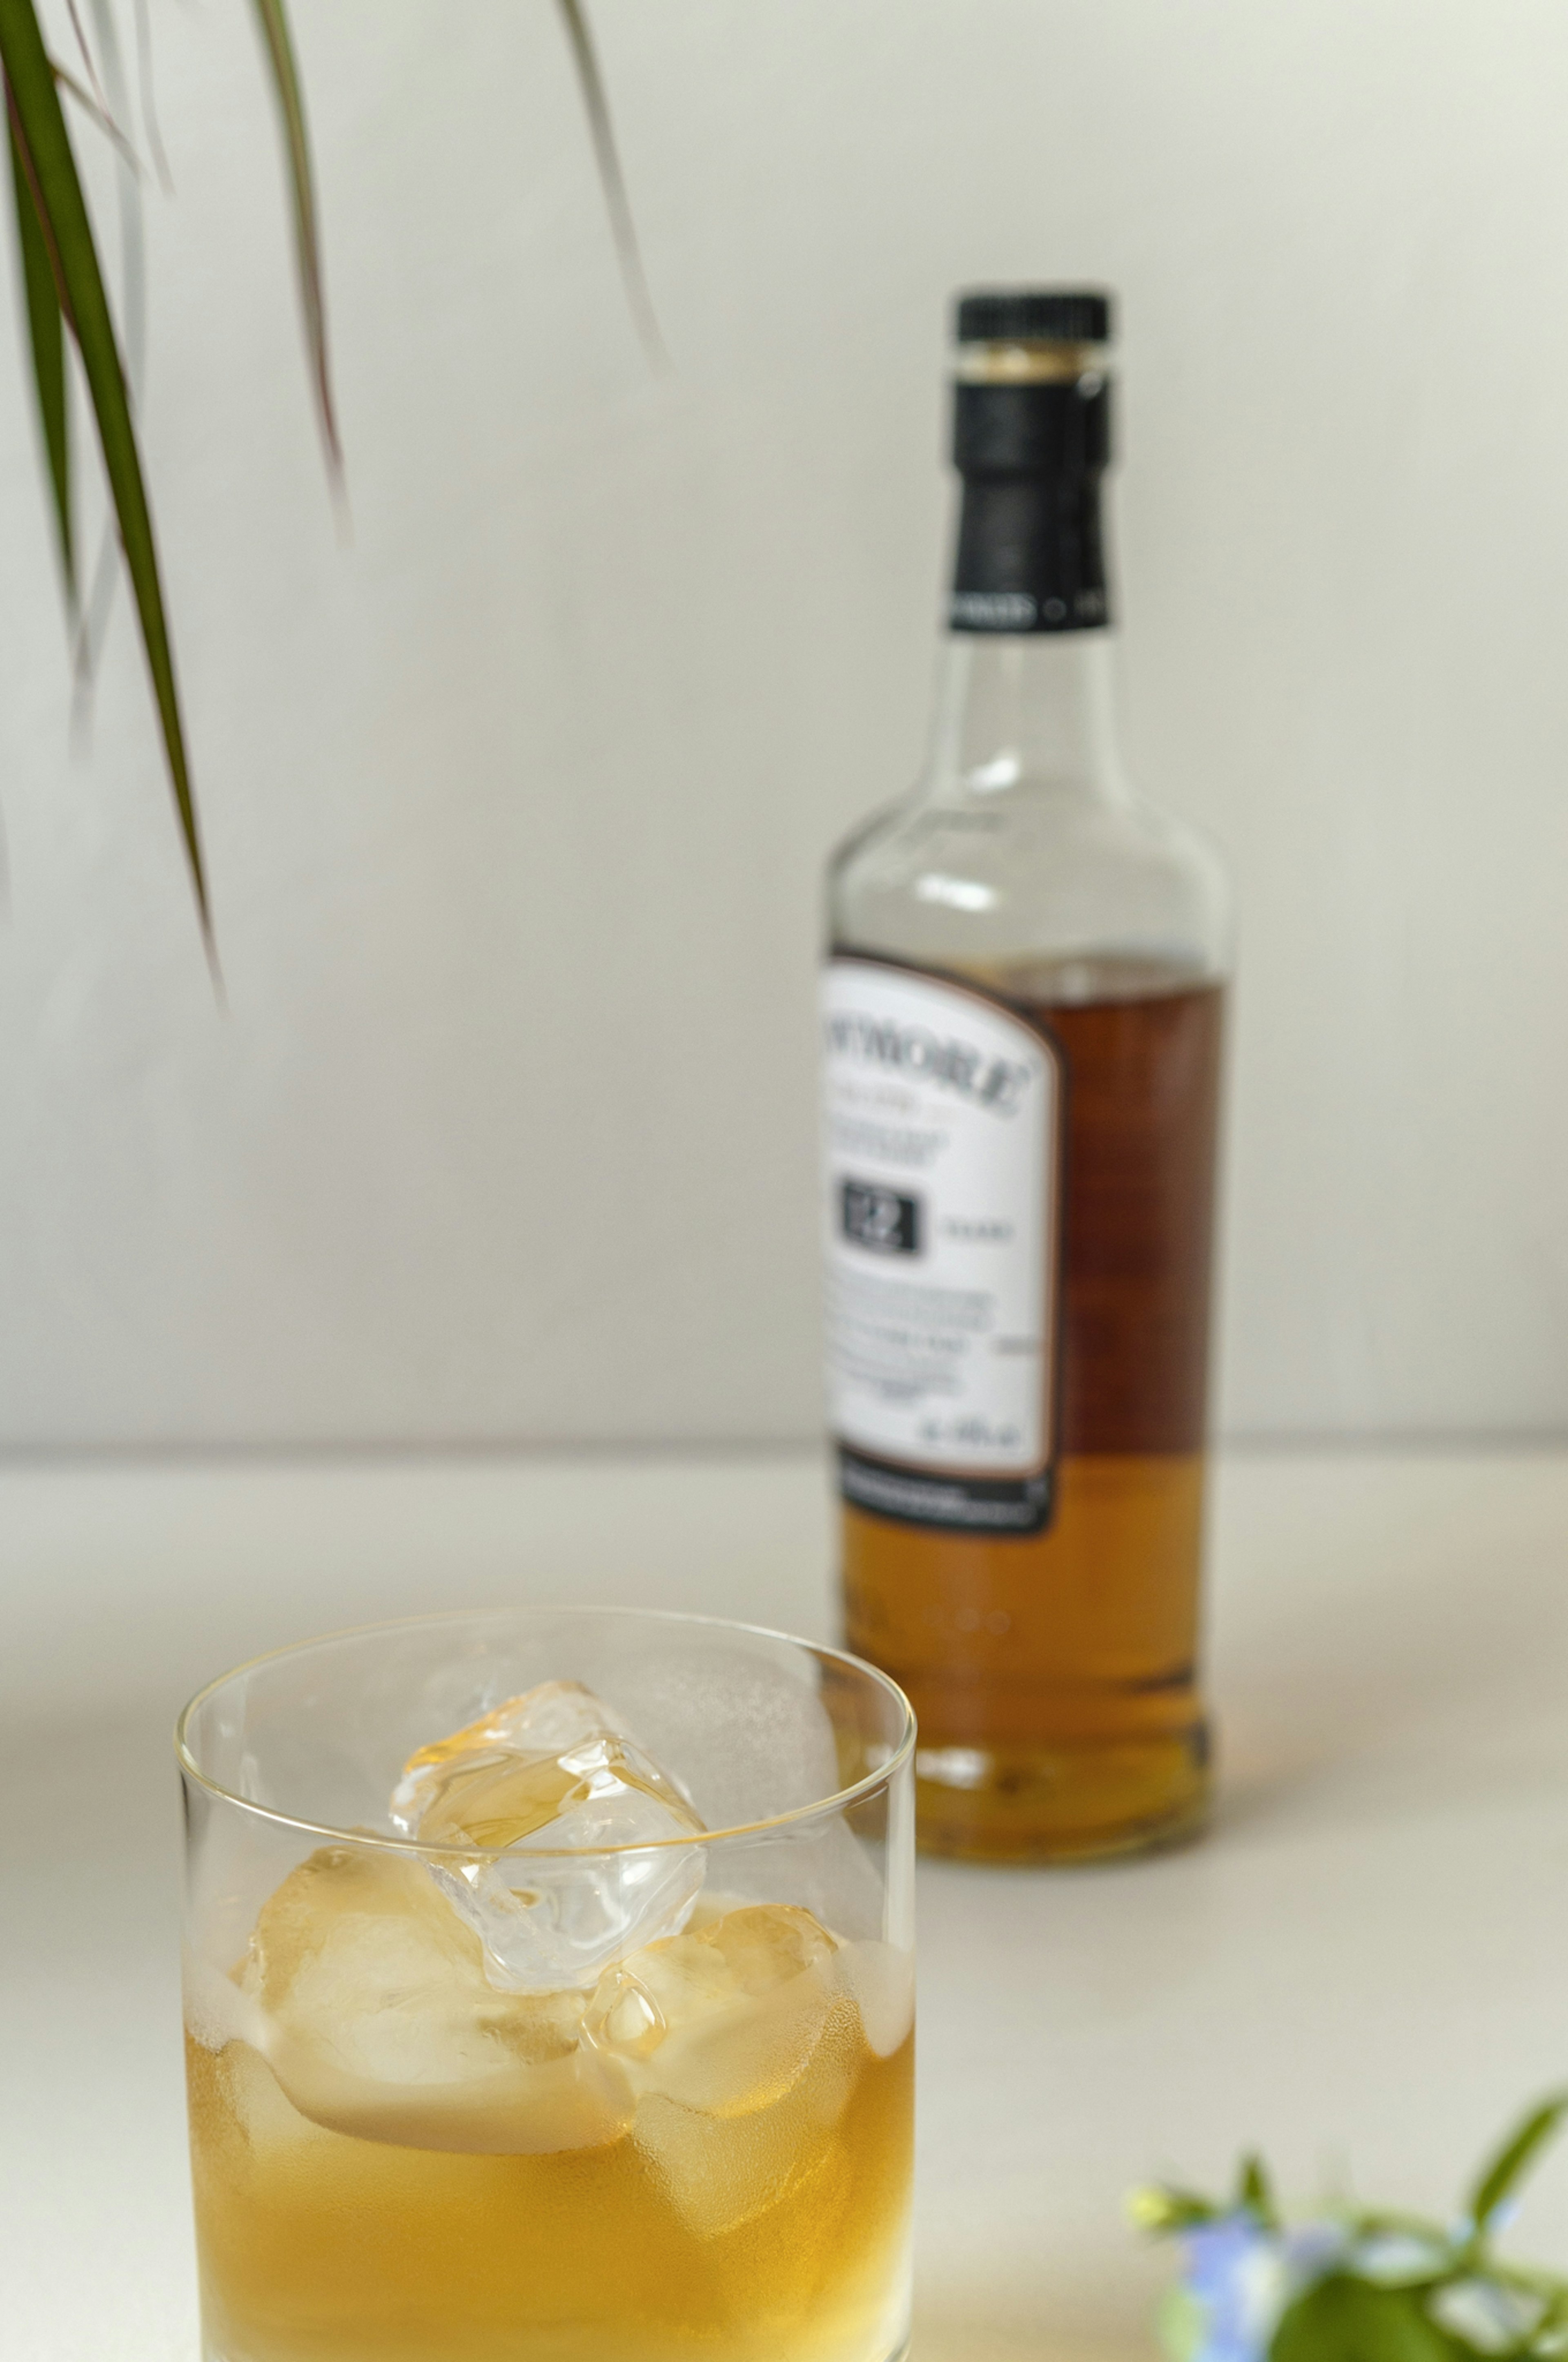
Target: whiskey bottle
1021, 1033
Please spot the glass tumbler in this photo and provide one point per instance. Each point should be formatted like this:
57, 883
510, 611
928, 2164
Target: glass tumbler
549, 1996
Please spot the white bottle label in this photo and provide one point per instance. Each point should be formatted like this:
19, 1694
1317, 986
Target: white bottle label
942, 1208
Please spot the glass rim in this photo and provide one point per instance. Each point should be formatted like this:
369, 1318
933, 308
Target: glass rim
841, 1799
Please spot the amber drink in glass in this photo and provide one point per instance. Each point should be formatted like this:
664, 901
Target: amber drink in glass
549, 1996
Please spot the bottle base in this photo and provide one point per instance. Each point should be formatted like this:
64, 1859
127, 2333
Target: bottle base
1054, 1806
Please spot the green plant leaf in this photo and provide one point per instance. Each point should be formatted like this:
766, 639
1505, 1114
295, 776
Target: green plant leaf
98, 115
612, 181
277, 41
149, 123
39, 126
98, 595
1513, 2160
84, 47
46, 338
1342, 2319
1254, 2190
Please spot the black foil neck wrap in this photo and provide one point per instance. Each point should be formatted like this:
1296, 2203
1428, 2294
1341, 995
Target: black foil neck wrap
1031, 554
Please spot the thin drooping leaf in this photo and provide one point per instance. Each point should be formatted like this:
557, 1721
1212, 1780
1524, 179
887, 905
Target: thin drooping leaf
613, 182
155, 147
98, 115
46, 338
51, 170
99, 596
1502, 2173
274, 22
85, 48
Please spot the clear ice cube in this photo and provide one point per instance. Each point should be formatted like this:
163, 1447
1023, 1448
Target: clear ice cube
375, 2014
555, 1771
741, 2048
724, 2019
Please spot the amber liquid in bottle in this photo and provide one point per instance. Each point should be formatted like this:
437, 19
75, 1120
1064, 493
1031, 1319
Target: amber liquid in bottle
1027, 1564
1055, 1675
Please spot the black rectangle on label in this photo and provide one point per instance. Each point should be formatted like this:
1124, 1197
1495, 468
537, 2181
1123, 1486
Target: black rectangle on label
878, 1217
969, 1505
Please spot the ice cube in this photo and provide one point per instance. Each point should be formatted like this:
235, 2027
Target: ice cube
741, 2047
545, 1723
376, 2018
556, 1770
769, 1944
725, 2019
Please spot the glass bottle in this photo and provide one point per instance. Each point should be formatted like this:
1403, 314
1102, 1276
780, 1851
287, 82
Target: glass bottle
1021, 1033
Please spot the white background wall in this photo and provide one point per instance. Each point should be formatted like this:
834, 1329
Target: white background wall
516, 807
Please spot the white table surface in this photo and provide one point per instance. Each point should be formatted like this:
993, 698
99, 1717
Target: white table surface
1366, 1961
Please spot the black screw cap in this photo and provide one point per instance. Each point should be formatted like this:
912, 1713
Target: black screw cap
1064, 315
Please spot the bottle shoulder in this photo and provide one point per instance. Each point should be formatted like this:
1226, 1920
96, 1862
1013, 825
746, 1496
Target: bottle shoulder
1040, 872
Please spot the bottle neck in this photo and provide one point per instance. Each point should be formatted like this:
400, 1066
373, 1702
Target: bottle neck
1026, 712
1031, 543
1026, 699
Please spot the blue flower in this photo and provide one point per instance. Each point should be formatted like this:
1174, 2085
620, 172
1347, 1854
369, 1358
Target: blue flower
1240, 2275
